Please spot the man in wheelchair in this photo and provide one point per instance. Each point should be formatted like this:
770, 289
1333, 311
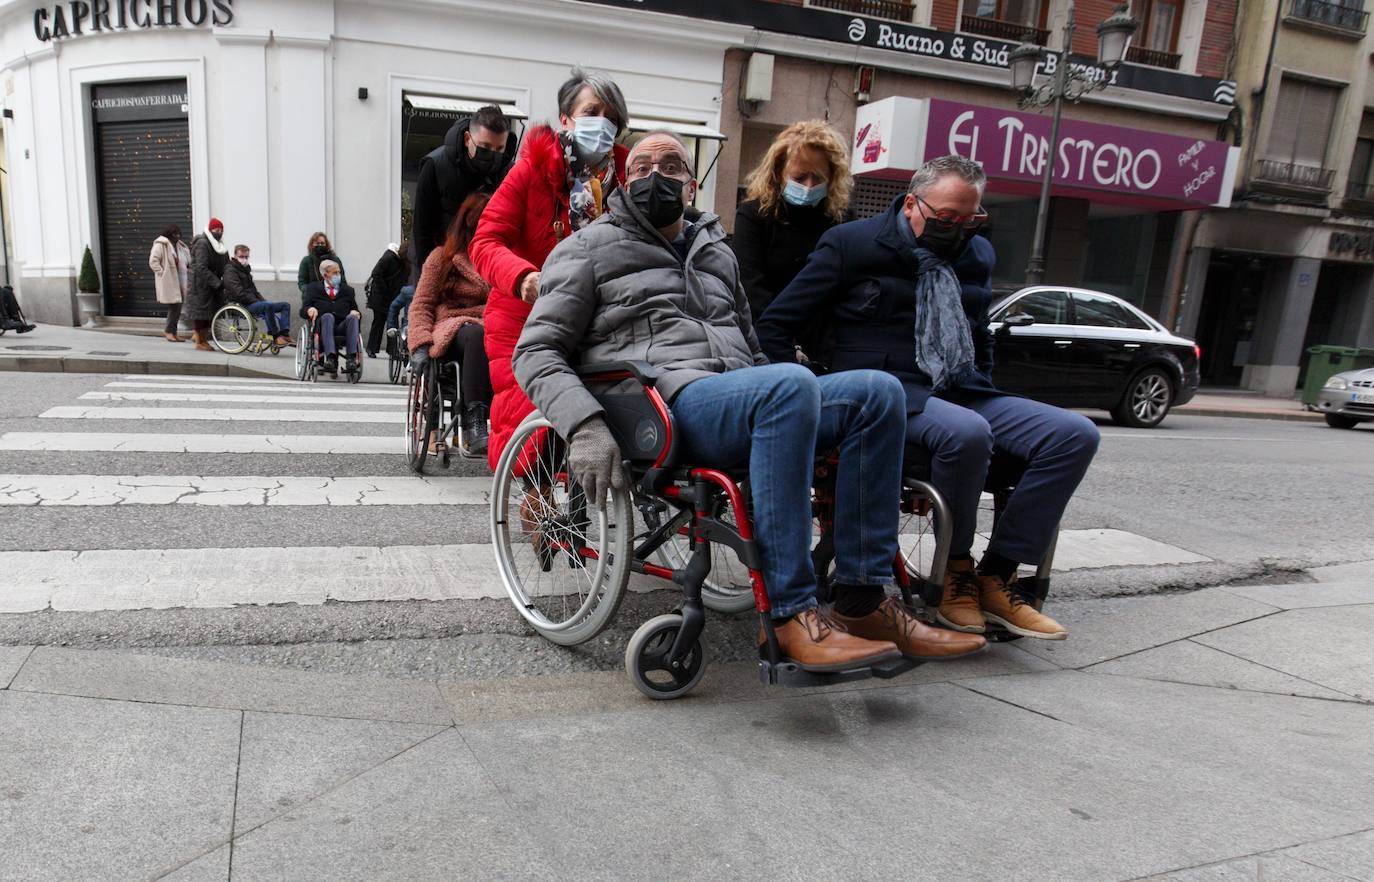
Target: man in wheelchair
908, 292
331, 303
643, 284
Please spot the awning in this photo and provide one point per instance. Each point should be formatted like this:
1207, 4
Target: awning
459, 106
686, 130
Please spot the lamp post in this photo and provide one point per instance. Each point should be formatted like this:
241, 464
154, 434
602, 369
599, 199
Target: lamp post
1113, 37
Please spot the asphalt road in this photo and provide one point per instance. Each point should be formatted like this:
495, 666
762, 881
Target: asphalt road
1261, 499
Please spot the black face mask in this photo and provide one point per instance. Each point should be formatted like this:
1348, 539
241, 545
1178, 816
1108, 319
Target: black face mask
485, 160
944, 240
321, 250
660, 199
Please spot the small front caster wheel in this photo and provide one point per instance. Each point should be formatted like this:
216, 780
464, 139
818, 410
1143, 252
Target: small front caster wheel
646, 660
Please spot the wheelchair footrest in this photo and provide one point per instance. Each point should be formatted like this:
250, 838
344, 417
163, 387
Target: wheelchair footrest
789, 673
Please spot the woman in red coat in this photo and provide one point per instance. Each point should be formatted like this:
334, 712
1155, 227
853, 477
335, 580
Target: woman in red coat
557, 186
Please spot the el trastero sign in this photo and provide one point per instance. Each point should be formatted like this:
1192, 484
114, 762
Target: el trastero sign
80, 17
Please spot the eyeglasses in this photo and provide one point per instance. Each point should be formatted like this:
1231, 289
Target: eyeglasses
946, 218
670, 166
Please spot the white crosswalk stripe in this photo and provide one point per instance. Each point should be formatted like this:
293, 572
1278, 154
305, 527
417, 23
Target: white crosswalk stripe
228, 398
105, 490
152, 442
220, 414
269, 388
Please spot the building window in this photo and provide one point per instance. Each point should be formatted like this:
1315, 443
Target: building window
1157, 40
1344, 15
1358, 187
1006, 19
1298, 135
893, 10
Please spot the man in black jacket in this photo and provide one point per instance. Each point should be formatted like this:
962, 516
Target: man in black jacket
331, 303
387, 278
240, 288
475, 156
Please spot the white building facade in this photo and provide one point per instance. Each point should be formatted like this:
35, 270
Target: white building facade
283, 117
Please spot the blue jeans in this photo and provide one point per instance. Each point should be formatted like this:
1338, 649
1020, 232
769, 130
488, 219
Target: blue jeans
402, 301
775, 419
332, 329
1056, 445
277, 316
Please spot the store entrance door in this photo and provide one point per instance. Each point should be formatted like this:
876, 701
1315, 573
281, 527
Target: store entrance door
143, 183
1230, 306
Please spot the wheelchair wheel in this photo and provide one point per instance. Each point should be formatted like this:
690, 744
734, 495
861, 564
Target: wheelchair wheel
564, 564
303, 355
646, 660
421, 390
923, 537
728, 589
395, 363
232, 329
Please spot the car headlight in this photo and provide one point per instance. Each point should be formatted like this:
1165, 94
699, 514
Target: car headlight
1337, 383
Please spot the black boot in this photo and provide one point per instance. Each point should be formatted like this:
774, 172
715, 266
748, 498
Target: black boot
331, 364
474, 431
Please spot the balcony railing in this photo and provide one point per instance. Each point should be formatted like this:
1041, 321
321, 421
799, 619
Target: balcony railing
893, 10
1153, 57
1359, 196
1333, 15
1003, 30
1291, 175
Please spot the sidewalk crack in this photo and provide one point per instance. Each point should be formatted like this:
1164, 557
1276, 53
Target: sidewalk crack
1012, 703
1102, 661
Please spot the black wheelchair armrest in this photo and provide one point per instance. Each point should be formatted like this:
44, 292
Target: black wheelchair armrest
644, 373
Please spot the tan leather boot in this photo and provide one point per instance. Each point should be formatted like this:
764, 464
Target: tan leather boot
913, 637
959, 608
814, 643
1004, 606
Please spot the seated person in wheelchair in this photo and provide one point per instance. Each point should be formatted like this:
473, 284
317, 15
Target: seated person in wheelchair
11, 316
399, 305
446, 322
330, 303
908, 291
641, 283
240, 288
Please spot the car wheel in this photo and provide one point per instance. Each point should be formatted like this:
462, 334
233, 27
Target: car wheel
1147, 400
1336, 421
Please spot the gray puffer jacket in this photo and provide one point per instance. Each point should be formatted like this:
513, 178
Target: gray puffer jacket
617, 291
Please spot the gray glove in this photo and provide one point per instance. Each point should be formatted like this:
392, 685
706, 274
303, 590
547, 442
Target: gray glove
594, 460
419, 358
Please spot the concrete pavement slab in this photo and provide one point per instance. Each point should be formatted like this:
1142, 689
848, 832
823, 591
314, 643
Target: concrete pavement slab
1351, 856
213, 867
1307, 595
1357, 571
94, 789
135, 677
12, 658
1189, 662
1308, 760
1264, 868
1330, 646
287, 760
430, 813
1112, 627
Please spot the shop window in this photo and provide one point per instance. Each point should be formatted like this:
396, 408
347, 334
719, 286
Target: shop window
1299, 132
1156, 42
1007, 19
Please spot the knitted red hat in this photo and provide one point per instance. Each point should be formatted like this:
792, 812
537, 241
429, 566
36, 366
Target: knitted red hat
216, 225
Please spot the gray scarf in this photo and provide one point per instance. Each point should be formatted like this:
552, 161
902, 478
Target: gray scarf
944, 342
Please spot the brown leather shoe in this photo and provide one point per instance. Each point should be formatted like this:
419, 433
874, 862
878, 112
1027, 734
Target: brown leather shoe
913, 637
1006, 607
173, 338
814, 643
959, 608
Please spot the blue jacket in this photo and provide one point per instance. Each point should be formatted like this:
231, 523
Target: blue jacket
863, 275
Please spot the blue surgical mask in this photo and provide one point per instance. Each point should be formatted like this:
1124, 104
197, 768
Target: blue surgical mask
594, 136
804, 197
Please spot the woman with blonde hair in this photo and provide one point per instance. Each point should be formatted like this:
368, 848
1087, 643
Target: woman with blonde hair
799, 190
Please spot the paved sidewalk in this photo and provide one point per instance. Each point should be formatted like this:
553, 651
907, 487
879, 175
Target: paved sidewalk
1239, 403
1223, 734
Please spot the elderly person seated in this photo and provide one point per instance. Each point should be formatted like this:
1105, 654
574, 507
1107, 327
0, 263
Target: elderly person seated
641, 266
331, 302
240, 288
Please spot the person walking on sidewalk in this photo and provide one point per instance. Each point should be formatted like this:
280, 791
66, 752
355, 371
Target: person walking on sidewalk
204, 294
317, 252
170, 261
446, 323
909, 291
388, 275
331, 302
240, 288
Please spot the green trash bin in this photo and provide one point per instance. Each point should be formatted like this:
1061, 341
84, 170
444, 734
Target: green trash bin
1325, 362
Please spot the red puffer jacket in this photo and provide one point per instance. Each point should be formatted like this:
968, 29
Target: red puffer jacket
515, 235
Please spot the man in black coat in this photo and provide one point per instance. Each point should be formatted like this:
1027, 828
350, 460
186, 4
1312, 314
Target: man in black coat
908, 292
11, 316
388, 277
475, 156
331, 304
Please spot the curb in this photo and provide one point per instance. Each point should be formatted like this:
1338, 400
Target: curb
77, 364
1298, 416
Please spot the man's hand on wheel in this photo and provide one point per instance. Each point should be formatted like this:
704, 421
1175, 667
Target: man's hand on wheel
594, 460
419, 358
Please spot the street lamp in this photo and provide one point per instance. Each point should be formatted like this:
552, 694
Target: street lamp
1113, 37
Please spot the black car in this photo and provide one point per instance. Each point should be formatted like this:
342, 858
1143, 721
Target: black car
1086, 349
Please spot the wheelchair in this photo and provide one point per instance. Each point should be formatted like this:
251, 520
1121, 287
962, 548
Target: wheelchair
398, 355
234, 329
310, 355
433, 404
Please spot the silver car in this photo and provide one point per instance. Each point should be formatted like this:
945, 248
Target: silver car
1347, 399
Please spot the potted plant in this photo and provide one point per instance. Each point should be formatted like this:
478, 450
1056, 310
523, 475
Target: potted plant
88, 290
